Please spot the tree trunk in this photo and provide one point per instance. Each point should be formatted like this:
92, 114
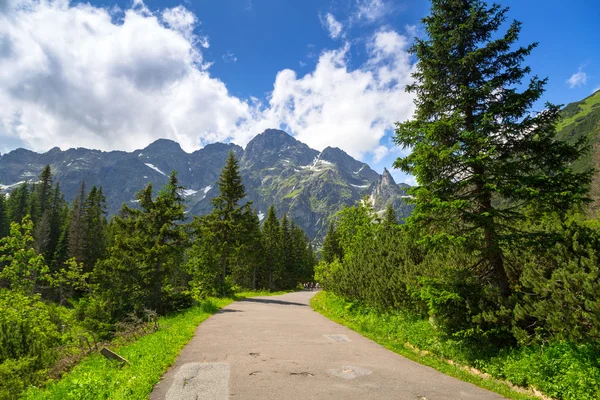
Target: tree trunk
492, 252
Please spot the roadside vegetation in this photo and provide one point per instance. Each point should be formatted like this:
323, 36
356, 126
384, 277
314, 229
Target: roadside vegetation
72, 281
497, 267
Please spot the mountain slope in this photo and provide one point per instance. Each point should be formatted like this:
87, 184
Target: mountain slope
309, 185
582, 119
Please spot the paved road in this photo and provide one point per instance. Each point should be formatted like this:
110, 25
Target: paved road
279, 348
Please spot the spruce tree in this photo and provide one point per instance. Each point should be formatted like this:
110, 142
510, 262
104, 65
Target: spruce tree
18, 203
226, 218
61, 254
390, 218
43, 195
94, 222
271, 233
248, 259
146, 253
77, 227
331, 245
287, 253
481, 157
4, 218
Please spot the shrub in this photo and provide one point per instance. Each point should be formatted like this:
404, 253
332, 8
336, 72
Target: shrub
28, 338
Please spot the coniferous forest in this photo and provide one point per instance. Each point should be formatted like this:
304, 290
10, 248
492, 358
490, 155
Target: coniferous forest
72, 278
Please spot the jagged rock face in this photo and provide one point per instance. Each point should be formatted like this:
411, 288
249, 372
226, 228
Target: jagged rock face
308, 185
386, 192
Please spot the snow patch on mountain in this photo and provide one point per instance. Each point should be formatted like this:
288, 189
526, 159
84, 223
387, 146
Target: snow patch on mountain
155, 168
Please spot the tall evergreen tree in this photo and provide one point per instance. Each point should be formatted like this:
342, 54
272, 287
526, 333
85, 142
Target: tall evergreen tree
94, 222
227, 217
61, 254
146, 253
331, 245
248, 259
4, 218
18, 203
77, 226
480, 155
287, 253
43, 195
271, 233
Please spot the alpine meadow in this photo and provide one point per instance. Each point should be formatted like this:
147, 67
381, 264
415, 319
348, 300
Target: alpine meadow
484, 265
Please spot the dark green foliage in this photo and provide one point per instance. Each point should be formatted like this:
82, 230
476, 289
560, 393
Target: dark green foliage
271, 232
331, 245
94, 222
559, 285
287, 253
18, 203
77, 227
479, 155
248, 260
230, 250
4, 218
390, 218
147, 254
221, 234
227, 217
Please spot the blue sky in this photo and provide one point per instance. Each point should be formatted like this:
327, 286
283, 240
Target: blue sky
119, 74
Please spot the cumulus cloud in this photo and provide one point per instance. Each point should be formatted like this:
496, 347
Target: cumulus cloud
577, 79
351, 109
71, 76
80, 75
332, 25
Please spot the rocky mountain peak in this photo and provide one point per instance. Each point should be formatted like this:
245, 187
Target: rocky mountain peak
387, 178
273, 145
163, 146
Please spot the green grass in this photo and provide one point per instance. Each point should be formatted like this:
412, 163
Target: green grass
410, 337
574, 111
149, 358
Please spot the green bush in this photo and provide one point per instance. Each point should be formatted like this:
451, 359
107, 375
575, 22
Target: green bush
559, 285
28, 339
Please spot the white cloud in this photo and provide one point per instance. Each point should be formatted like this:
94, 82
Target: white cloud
596, 90
577, 79
71, 76
379, 153
332, 25
79, 75
351, 109
371, 10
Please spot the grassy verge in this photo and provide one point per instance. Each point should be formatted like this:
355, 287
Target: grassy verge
411, 337
149, 357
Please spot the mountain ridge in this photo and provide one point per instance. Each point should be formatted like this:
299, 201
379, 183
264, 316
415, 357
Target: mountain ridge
309, 185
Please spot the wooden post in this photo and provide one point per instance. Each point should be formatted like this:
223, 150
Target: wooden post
111, 355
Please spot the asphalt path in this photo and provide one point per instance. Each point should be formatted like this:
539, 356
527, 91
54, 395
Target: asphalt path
279, 348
